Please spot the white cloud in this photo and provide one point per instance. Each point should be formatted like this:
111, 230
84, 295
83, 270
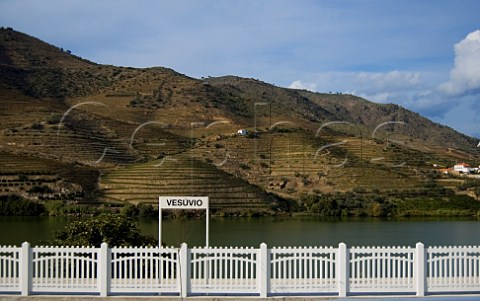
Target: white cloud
298, 84
413, 90
387, 81
381, 97
465, 75
384, 87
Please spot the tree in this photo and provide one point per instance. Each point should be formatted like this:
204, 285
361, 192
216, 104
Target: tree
117, 231
325, 204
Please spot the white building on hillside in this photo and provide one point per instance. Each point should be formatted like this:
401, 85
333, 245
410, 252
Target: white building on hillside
242, 132
462, 168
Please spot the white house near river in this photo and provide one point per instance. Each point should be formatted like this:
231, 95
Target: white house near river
463, 168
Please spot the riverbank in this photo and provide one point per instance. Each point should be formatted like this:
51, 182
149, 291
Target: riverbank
431, 200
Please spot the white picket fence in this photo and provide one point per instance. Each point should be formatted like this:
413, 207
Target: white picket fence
264, 272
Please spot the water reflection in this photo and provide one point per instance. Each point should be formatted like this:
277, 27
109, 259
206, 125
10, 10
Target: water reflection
285, 231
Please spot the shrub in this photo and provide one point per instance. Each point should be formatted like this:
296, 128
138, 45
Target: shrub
244, 166
117, 231
129, 210
40, 189
147, 210
22, 177
37, 126
14, 205
54, 119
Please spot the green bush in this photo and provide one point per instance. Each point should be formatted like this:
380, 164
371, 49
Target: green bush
40, 189
117, 231
129, 210
22, 177
14, 205
54, 119
37, 126
244, 166
147, 210
141, 210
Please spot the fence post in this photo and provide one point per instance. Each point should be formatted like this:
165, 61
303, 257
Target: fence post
26, 269
420, 270
263, 270
184, 262
343, 270
105, 273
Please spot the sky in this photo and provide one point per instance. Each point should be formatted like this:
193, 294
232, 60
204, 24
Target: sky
421, 54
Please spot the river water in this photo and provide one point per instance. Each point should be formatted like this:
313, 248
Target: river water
276, 232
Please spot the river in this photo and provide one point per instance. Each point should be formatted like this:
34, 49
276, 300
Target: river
279, 232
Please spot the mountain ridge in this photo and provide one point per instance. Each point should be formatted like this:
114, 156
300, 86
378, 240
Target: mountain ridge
112, 121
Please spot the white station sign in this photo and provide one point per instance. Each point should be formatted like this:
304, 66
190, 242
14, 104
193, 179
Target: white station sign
184, 202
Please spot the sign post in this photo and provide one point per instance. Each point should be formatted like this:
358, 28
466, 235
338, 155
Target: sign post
183, 202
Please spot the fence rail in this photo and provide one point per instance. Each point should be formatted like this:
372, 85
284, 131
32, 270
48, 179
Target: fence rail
260, 271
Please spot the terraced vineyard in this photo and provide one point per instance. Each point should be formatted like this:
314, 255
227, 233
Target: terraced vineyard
73, 130
183, 175
294, 162
42, 179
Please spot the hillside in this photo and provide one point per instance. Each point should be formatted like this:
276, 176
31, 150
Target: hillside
76, 131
